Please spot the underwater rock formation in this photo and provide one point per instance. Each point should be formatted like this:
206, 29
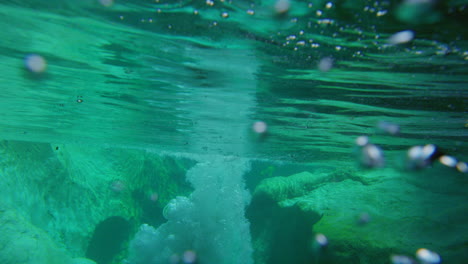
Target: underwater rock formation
23, 243
366, 216
67, 190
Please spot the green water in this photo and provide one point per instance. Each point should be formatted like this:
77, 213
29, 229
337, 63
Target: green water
145, 101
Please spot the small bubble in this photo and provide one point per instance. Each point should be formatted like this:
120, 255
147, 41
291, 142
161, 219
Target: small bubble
325, 64
329, 5
401, 37
364, 218
427, 257
400, 259
314, 45
189, 256
448, 161
153, 196
35, 63
389, 128
421, 156
210, 2
321, 239
224, 14
300, 43
118, 186
174, 259
462, 167
260, 127
282, 6
106, 3
251, 12
372, 156
381, 13
362, 141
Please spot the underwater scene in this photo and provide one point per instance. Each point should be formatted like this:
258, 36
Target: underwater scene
233, 131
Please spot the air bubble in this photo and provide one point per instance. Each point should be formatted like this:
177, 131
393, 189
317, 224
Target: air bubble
400, 259
321, 240
372, 156
448, 161
389, 128
364, 218
427, 257
35, 63
260, 127
106, 3
362, 141
462, 167
282, 6
325, 64
401, 37
189, 256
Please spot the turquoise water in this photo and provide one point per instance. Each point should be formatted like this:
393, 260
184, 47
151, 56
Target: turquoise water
143, 112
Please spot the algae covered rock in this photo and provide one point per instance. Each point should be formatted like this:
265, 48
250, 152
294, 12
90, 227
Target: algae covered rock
68, 190
23, 243
366, 216
281, 234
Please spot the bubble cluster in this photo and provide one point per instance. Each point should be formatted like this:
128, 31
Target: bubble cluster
419, 157
388, 128
370, 155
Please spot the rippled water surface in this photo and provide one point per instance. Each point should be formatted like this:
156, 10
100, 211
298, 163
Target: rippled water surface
193, 76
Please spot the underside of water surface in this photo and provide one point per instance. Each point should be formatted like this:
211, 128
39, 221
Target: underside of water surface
233, 132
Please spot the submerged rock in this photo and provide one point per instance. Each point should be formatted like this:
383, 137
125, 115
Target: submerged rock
365, 218
23, 243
